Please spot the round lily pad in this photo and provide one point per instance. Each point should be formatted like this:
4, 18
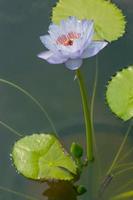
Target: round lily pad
108, 19
119, 94
42, 157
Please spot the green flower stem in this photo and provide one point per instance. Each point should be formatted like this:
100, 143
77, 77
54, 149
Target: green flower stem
87, 117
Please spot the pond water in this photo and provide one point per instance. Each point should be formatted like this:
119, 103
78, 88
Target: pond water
21, 24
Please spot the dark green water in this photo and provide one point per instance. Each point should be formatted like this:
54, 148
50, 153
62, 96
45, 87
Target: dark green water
21, 24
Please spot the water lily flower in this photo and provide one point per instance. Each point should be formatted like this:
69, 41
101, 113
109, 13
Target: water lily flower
70, 42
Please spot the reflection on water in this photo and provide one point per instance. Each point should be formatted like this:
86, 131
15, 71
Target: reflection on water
61, 190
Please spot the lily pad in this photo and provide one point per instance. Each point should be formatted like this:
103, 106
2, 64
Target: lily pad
109, 20
126, 195
120, 94
42, 157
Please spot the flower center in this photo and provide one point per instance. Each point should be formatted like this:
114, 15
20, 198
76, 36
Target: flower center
68, 39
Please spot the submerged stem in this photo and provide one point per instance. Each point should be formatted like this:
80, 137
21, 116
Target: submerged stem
94, 93
120, 150
122, 171
126, 155
26, 93
124, 186
87, 116
92, 117
104, 185
113, 165
17, 193
123, 165
10, 129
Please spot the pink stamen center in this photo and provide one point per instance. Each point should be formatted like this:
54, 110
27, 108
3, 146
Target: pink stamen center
68, 40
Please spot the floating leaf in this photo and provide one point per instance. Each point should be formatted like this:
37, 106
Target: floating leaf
125, 195
120, 94
42, 157
109, 20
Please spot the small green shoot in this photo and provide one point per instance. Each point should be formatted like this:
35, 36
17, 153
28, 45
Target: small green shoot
76, 150
80, 189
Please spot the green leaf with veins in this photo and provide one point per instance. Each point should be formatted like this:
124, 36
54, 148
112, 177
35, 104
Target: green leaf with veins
42, 157
109, 20
119, 94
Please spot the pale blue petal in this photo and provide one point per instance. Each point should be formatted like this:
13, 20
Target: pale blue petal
88, 31
93, 49
72, 20
54, 31
55, 59
48, 42
83, 47
88, 27
63, 26
85, 28
73, 64
68, 21
70, 52
52, 58
45, 55
54, 28
72, 24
